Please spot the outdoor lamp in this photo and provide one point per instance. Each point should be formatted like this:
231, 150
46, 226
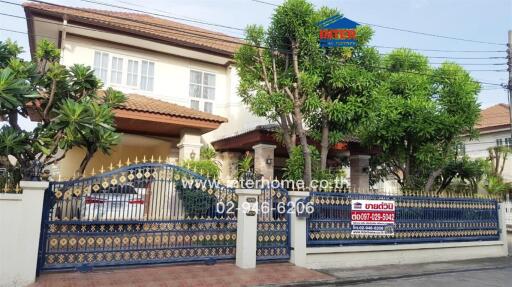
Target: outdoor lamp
269, 161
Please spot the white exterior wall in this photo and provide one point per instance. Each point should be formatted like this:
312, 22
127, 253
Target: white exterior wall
478, 149
172, 79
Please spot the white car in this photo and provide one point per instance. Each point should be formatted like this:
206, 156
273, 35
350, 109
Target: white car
117, 202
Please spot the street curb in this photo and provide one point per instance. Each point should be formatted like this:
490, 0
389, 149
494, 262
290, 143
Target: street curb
344, 282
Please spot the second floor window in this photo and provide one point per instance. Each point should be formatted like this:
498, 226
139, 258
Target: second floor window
202, 91
116, 75
132, 73
499, 142
101, 65
147, 75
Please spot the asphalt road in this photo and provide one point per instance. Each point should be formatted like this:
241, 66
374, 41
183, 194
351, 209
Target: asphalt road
501, 277
495, 272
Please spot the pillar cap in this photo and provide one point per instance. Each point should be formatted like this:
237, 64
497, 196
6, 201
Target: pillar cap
24, 184
248, 191
361, 156
264, 146
298, 193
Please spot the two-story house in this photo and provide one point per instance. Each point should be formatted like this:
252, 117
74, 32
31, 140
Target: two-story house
494, 129
181, 85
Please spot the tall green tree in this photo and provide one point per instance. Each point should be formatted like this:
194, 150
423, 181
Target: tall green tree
418, 115
286, 77
65, 103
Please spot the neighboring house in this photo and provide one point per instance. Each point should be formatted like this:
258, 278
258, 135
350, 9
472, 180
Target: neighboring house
181, 86
494, 128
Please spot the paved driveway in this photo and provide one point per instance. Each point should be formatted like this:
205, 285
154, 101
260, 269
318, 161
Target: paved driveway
223, 274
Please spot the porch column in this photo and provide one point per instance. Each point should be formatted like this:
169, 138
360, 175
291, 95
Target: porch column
189, 145
229, 164
264, 160
359, 177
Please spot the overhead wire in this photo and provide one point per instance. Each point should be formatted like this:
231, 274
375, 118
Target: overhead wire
166, 27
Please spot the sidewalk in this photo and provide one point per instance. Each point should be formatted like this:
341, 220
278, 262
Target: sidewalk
345, 277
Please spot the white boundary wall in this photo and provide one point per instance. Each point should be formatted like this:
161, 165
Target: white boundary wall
507, 206
20, 226
374, 255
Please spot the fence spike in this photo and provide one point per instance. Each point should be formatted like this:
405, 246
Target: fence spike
102, 170
92, 172
6, 188
18, 189
144, 159
159, 159
119, 164
136, 160
169, 160
111, 167
152, 159
128, 161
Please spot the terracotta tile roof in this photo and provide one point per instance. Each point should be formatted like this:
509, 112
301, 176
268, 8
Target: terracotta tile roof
495, 116
144, 25
145, 104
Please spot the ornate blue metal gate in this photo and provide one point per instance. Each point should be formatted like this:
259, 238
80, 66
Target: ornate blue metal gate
273, 242
140, 214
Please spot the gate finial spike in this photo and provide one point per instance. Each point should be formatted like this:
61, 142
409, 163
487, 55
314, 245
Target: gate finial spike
144, 159
136, 160
18, 189
111, 167
119, 164
128, 161
92, 172
152, 159
102, 170
159, 159
168, 159
6, 188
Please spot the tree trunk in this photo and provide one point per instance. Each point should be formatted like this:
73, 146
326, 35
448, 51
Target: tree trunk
431, 178
324, 144
288, 139
305, 147
81, 169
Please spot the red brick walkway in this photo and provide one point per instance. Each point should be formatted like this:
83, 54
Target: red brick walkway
224, 274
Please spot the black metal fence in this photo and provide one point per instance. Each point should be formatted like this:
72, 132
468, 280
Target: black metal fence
417, 219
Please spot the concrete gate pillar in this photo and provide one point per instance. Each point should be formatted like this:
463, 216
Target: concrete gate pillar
247, 228
264, 160
298, 231
359, 177
20, 222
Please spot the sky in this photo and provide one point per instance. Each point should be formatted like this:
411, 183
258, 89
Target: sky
481, 20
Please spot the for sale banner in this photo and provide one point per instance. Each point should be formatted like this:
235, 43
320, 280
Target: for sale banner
375, 217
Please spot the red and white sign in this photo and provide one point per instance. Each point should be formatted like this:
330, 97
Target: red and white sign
373, 217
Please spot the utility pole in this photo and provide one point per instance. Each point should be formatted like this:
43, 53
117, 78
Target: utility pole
509, 85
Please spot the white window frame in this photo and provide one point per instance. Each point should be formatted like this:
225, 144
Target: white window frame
100, 69
125, 59
202, 101
144, 74
119, 72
